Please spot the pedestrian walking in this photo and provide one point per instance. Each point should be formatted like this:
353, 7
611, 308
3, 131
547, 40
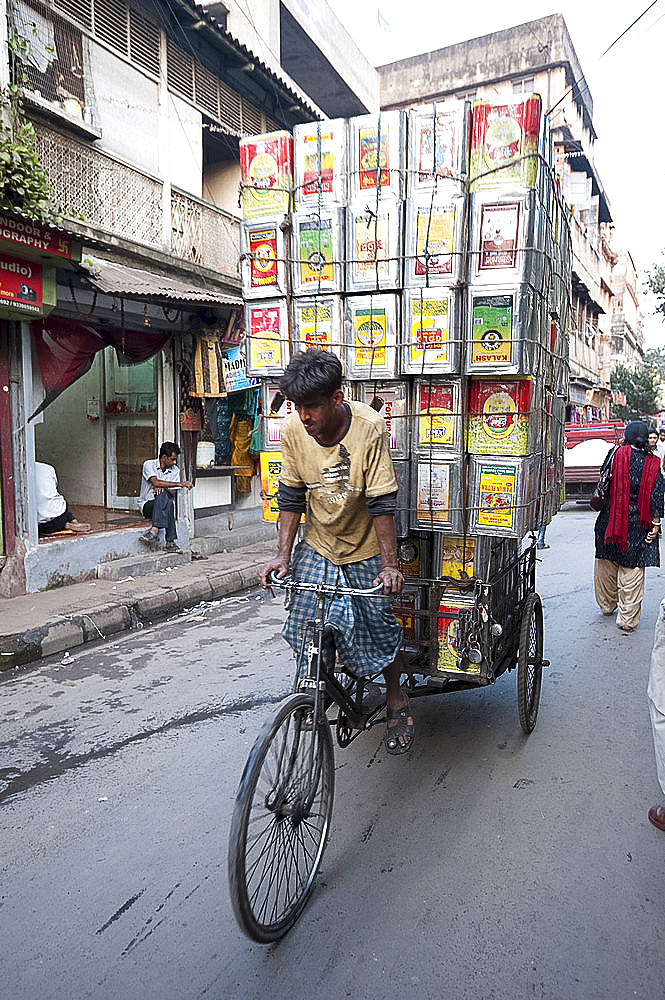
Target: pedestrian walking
627, 528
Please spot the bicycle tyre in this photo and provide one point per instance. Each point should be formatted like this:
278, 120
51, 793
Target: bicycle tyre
530, 662
276, 847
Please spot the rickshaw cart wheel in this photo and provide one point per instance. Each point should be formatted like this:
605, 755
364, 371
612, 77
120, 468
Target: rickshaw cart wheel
530, 662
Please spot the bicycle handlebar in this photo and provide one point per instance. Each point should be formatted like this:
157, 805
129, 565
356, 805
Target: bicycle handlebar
322, 588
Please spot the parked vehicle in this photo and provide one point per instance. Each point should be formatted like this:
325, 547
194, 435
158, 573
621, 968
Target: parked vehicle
586, 446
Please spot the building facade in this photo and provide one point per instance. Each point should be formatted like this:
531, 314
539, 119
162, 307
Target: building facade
138, 107
627, 337
538, 57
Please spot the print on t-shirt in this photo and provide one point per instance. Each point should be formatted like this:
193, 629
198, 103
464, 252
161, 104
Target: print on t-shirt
336, 478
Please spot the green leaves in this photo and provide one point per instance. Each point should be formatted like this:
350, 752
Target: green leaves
641, 388
24, 186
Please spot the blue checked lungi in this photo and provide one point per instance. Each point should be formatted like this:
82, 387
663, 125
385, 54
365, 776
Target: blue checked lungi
366, 633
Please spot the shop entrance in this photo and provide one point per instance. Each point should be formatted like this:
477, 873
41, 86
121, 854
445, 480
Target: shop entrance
131, 426
97, 434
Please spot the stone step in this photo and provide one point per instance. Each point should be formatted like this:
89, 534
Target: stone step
141, 565
228, 541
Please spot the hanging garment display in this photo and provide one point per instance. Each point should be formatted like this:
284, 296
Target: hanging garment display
209, 365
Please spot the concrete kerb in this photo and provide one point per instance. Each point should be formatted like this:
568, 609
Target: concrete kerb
68, 632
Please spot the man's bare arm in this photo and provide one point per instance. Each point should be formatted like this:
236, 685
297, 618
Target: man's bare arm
288, 529
390, 576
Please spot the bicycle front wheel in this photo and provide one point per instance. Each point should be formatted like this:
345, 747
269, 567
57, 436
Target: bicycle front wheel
281, 820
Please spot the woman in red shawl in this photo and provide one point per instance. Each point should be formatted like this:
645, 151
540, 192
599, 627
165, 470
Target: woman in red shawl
628, 527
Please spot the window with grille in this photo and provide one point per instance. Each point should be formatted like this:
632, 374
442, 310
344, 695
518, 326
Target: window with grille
53, 61
56, 71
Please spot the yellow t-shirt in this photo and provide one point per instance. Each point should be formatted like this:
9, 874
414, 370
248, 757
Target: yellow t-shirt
339, 479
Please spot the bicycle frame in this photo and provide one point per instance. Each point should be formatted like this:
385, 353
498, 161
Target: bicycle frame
316, 678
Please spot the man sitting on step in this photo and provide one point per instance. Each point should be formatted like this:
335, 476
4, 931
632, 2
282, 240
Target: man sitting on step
159, 480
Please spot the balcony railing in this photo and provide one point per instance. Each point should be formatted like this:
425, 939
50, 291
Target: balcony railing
125, 202
104, 192
204, 235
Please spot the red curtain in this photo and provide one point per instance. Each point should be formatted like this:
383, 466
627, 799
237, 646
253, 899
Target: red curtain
65, 350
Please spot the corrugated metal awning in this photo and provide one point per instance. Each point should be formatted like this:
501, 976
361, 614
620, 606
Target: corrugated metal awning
132, 283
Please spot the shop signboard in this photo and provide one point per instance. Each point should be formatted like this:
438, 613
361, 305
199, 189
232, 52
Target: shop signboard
29, 238
26, 288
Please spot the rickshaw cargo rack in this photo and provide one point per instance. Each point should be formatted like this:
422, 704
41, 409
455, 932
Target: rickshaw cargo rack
460, 635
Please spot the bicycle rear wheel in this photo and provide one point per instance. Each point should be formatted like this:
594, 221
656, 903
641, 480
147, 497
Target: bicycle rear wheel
281, 820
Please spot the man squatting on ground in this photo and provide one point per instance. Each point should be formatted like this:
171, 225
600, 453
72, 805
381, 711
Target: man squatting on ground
160, 477
336, 467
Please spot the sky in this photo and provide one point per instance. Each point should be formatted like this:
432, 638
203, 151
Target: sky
626, 84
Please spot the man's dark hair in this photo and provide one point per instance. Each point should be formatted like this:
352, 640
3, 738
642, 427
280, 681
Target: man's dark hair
311, 374
168, 448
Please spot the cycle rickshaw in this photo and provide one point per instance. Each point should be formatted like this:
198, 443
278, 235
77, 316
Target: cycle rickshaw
283, 809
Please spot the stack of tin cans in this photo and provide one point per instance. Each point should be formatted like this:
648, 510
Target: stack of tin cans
430, 251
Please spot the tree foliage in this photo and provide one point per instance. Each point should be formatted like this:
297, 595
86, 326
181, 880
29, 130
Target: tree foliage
641, 388
656, 281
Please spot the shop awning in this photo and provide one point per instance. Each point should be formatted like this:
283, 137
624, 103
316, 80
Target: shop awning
130, 282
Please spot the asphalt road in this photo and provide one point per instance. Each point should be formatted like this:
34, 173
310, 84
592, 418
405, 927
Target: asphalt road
484, 864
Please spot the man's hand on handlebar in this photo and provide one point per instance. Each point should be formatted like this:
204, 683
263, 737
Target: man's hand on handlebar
281, 568
392, 580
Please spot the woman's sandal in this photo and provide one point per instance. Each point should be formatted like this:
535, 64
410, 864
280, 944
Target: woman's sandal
401, 728
170, 547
